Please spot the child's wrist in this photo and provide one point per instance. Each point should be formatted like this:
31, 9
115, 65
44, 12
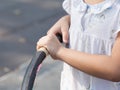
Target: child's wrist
60, 53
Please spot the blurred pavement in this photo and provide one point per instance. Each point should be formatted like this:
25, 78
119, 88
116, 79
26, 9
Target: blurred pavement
22, 23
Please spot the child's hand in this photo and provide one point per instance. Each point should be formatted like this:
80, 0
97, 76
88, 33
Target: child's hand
62, 27
51, 43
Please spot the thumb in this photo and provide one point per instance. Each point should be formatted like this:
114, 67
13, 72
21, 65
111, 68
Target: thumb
65, 33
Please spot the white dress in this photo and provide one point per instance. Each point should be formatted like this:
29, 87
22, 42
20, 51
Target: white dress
93, 30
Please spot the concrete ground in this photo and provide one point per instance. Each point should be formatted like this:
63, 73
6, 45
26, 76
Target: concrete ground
48, 78
22, 23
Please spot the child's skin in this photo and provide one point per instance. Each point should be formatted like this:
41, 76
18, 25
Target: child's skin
102, 66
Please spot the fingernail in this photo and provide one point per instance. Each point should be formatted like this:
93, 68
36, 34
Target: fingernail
65, 41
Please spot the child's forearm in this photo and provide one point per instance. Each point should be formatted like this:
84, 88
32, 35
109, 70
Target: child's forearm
101, 66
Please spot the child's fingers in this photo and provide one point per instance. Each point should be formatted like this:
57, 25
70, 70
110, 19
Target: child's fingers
65, 33
54, 31
41, 42
38, 47
44, 41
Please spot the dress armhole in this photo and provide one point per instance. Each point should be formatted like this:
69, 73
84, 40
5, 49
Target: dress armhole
116, 33
117, 25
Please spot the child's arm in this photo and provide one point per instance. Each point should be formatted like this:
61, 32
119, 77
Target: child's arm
62, 27
102, 66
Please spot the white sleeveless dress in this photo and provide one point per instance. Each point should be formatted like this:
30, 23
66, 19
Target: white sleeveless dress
93, 30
